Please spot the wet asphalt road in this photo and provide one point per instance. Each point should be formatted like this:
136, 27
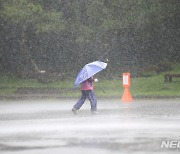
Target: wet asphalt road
49, 126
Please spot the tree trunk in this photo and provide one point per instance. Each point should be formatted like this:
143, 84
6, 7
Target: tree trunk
30, 67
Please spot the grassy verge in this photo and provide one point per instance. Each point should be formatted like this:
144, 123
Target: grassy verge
153, 86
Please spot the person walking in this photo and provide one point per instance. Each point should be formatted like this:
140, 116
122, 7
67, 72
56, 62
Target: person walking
87, 87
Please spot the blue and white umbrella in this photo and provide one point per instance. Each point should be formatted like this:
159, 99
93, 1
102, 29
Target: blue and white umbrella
89, 70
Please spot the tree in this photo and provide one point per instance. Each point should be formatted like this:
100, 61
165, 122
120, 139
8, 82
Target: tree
56, 34
25, 16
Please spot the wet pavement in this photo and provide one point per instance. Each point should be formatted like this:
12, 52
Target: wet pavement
49, 126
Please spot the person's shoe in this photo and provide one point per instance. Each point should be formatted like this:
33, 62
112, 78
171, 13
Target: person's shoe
74, 110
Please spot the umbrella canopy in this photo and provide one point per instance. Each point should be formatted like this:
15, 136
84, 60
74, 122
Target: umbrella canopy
89, 70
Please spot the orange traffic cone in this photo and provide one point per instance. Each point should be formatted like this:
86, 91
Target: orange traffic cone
126, 97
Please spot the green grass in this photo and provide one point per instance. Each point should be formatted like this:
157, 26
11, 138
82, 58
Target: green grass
9, 84
150, 86
153, 86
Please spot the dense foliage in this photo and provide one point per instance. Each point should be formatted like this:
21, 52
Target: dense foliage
62, 35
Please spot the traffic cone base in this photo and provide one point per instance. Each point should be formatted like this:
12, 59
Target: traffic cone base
126, 97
